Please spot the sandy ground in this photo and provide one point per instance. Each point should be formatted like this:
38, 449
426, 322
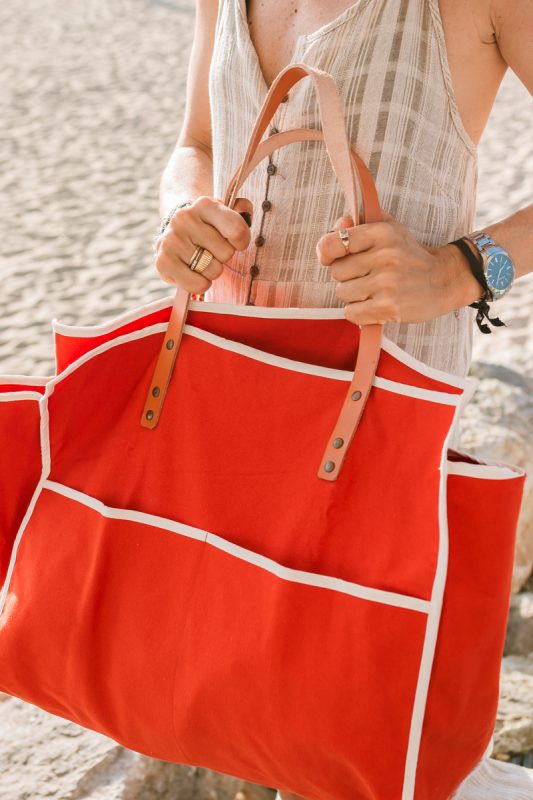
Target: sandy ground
91, 101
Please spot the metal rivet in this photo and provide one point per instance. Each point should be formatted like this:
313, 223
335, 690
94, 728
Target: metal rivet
170, 344
149, 414
356, 395
156, 391
329, 466
338, 442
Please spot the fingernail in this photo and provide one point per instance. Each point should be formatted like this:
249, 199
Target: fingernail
247, 218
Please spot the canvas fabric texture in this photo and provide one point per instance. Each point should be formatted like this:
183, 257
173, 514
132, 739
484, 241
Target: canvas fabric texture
151, 579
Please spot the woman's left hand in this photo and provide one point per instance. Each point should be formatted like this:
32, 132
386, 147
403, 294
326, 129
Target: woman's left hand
387, 275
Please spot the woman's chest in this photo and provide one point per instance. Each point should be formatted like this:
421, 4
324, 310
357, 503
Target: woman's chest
276, 27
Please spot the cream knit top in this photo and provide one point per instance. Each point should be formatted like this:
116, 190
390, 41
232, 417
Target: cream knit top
388, 59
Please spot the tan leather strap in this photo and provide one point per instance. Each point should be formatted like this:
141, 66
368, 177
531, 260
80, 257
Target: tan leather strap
165, 361
349, 170
354, 403
338, 148
333, 125
371, 211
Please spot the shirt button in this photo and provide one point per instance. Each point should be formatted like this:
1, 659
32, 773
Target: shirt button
273, 130
284, 99
260, 240
254, 270
266, 205
271, 169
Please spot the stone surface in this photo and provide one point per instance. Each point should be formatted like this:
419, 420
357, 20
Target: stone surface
514, 727
497, 425
44, 757
519, 639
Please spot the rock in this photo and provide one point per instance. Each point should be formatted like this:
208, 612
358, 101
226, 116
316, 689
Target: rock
44, 757
519, 638
514, 727
497, 425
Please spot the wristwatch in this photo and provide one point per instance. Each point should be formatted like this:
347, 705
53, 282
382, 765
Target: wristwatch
497, 265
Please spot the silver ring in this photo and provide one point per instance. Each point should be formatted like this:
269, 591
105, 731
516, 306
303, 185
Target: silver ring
345, 239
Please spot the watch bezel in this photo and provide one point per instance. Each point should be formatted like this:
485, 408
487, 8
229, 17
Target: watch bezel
488, 249
496, 251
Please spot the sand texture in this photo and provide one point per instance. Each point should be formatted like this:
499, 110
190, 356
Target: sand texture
91, 104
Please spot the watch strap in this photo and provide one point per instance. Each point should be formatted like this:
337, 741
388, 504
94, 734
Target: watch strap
476, 267
480, 305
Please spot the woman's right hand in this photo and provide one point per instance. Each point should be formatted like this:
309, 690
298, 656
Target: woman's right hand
206, 223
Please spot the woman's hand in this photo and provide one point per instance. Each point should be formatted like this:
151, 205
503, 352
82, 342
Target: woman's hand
388, 276
207, 223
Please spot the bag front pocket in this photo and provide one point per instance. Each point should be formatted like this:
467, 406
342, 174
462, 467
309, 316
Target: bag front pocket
184, 646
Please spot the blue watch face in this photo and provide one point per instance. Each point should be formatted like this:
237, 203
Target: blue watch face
500, 271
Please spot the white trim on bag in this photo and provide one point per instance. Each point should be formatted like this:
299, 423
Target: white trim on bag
44, 443
23, 380
276, 312
259, 312
313, 369
16, 543
159, 327
432, 627
495, 472
19, 394
263, 562
90, 331
258, 355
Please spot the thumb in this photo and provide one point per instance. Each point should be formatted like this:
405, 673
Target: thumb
244, 206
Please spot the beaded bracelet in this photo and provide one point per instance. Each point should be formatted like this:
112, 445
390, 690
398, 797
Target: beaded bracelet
165, 223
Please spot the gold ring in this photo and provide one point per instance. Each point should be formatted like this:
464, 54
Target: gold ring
201, 260
343, 233
195, 256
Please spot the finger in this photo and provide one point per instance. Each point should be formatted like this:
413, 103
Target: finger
370, 312
200, 234
355, 290
342, 222
173, 270
225, 220
353, 266
362, 237
181, 241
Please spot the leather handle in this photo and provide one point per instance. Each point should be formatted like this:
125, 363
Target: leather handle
371, 211
348, 169
333, 124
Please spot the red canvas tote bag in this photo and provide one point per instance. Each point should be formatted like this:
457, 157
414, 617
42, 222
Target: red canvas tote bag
281, 572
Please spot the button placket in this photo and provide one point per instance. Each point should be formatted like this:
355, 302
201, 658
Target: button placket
266, 207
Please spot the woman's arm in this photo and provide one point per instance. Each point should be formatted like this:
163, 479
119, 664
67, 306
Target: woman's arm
188, 175
189, 171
